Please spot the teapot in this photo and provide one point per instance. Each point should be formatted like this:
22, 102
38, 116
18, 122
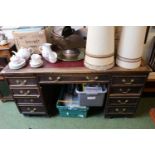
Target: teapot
24, 53
47, 53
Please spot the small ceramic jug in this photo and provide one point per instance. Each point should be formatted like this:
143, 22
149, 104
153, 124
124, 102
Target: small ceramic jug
52, 57
47, 53
45, 49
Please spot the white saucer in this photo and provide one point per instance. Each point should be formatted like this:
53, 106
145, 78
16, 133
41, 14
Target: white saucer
17, 66
4, 42
36, 65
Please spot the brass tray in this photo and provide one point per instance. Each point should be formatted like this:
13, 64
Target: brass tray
79, 57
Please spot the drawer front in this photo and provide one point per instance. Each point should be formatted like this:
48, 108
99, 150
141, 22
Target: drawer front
121, 110
25, 81
74, 77
123, 101
31, 109
25, 92
28, 100
128, 80
125, 90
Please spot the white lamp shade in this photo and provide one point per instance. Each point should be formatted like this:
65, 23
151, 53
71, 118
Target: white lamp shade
100, 47
130, 48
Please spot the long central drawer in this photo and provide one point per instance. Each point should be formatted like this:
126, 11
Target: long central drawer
50, 78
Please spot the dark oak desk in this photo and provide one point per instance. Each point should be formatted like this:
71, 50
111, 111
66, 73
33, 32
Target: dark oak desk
32, 98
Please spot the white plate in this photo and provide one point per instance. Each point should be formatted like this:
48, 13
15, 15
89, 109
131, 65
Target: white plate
3, 42
36, 65
17, 66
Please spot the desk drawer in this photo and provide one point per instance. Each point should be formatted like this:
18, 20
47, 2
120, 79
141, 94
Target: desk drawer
72, 78
29, 100
125, 90
120, 101
121, 110
22, 81
25, 92
31, 109
128, 80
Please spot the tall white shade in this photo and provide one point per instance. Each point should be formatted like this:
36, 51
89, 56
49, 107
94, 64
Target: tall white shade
100, 47
130, 48
100, 40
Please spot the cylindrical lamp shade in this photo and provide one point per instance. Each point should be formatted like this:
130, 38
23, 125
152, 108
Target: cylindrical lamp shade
100, 47
130, 48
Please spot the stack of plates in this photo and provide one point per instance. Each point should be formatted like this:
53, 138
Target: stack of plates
17, 66
36, 65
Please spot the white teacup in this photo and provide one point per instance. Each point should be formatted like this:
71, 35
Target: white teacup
35, 59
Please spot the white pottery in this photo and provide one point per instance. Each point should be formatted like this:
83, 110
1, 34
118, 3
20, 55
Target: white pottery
24, 53
15, 59
16, 62
35, 60
3, 42
47, 53
45, 49
52, 57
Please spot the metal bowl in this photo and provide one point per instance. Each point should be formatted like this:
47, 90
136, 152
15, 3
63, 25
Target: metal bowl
71, 53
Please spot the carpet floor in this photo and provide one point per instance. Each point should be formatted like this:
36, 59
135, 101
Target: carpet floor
10, 118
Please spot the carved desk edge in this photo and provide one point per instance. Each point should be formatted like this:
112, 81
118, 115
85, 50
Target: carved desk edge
28, 70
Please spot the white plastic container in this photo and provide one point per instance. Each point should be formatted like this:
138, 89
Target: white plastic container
92, 96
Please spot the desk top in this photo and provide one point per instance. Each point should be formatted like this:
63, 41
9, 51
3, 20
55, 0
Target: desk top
69, 67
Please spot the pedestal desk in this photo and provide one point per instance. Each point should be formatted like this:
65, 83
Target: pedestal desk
35, 91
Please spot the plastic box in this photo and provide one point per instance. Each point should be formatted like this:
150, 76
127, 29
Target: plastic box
65, 111
68, 106
92, 96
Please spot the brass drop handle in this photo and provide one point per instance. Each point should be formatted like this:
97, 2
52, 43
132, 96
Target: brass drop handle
92, 79
119, 101
130, 82
126, 101
58, 78
124, 109
24, 82
17, 81
33, 110
31, 100
27, 92
117, 109
124, 92
21, 91
50, 78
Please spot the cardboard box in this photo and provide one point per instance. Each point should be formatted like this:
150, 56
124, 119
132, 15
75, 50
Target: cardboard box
30, 38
